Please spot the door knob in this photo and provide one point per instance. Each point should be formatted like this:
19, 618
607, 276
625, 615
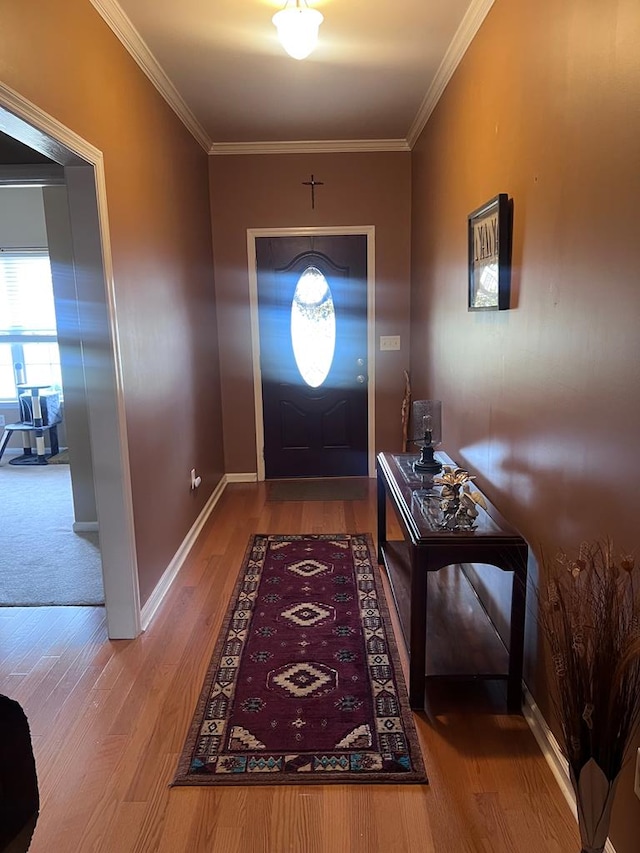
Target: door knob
361, 378
360, 362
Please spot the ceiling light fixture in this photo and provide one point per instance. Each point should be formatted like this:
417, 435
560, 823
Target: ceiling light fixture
297, 27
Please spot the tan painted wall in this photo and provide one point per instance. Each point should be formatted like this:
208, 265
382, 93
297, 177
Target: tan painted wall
266, 191
63, 57
541, 401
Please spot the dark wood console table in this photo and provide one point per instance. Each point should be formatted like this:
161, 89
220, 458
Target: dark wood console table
426, 549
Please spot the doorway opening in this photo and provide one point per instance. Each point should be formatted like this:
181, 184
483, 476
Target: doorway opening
83, 202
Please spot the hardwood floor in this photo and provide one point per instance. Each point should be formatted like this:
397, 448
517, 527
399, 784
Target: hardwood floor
109, 719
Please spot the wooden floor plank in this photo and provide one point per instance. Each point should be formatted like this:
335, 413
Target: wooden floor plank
109, 720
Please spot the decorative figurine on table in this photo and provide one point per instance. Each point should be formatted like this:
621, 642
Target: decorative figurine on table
458, 501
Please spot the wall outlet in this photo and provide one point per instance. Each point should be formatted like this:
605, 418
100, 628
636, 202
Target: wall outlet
389, 342
636, 786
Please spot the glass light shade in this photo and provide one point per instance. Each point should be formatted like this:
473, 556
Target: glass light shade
298, 29
426, 421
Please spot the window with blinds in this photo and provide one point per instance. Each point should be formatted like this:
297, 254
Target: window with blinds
28, 335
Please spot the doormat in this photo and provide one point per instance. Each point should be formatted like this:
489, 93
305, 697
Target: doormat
304, 685
326, 489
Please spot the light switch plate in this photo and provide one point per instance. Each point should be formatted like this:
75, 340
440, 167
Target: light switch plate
389, 342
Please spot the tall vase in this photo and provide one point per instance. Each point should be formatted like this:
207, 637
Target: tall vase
594, 800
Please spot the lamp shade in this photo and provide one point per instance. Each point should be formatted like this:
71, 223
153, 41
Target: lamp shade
426, 418
297, 28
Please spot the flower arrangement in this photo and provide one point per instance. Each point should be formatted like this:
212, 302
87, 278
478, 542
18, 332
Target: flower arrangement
458, 500
590, 617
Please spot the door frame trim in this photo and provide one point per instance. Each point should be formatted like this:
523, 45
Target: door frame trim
87, 193
369, 231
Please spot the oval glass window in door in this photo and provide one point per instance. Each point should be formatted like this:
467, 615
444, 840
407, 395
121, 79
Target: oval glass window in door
313, 327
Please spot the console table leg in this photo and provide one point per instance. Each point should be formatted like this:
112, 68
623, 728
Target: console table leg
382, 518
418, 632
516, 644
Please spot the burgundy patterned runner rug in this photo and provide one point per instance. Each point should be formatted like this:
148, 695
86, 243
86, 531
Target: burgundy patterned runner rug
305, 683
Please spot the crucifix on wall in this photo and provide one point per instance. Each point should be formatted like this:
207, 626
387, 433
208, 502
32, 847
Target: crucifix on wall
313, 184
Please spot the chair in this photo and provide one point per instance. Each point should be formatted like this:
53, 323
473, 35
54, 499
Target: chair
40, 410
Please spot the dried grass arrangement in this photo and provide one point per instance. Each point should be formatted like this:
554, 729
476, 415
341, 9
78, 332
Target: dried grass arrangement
590, 617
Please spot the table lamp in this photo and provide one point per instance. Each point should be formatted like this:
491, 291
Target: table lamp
426, 419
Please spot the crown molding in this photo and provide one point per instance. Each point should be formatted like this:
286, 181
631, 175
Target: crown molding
133, 42
314, 146
131, 39
466, 32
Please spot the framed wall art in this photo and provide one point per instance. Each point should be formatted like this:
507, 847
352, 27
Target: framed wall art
489, 229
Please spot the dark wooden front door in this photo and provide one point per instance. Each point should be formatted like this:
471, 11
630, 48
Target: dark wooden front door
313, 426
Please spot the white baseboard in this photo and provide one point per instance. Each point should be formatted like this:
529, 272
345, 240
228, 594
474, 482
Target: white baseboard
241, 478
162, 587
85, 527
553, 755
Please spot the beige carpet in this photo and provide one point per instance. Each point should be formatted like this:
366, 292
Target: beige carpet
42, 561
